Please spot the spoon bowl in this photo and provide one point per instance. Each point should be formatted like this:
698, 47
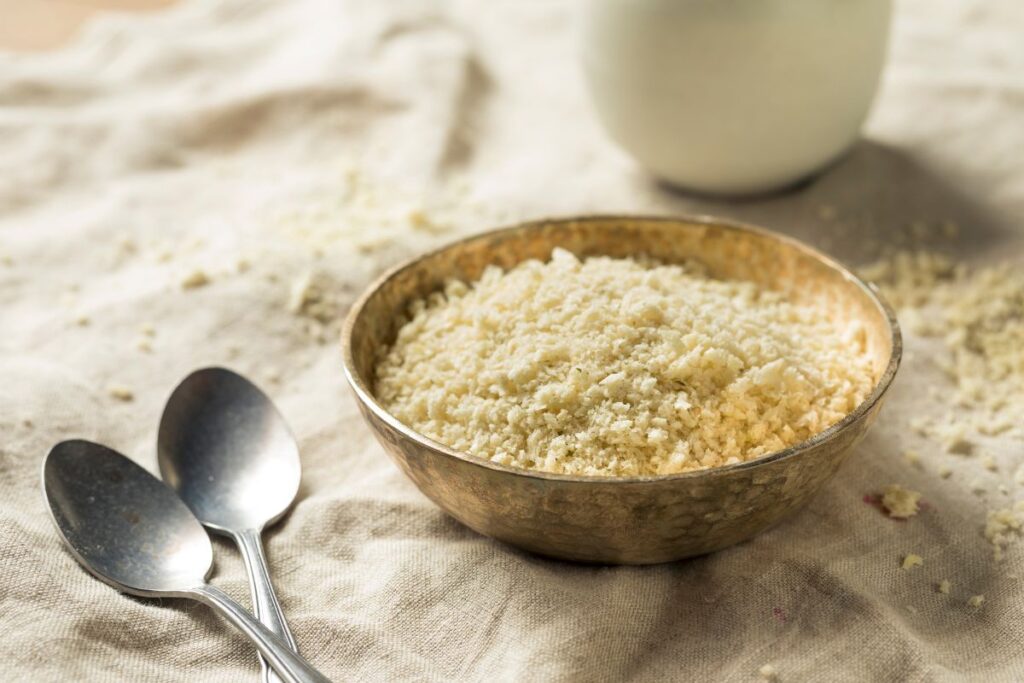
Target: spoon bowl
123, 524
228, 452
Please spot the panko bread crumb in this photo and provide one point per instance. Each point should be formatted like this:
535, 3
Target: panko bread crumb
977, 315
1002, 525
620, 367
899, 502
911, 560
121, 392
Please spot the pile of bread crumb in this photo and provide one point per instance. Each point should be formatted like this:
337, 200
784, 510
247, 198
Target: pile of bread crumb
899, 502
977, 317
620, 367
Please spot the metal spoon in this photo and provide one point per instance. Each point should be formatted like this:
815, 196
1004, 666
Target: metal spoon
132, 532
229, 454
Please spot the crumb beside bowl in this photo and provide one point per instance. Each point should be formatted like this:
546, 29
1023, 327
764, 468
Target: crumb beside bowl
621, 520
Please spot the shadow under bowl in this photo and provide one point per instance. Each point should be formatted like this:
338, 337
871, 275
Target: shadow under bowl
622, 520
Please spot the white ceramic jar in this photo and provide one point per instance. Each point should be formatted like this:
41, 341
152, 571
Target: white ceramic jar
734, 96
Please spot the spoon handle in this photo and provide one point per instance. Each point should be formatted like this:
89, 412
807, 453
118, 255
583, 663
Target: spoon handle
290, 666
264, 602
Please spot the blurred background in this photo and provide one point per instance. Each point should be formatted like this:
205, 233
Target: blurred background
35, 25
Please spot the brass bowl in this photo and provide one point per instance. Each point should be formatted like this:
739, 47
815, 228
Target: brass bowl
621, 520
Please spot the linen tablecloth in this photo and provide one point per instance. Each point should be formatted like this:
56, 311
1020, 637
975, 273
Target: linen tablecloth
213, 184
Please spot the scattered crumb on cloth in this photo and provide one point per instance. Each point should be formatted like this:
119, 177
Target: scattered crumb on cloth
911, 560
1003, 526
194, 279
978, 314
319, 300
899, 502
975, 315
121, 392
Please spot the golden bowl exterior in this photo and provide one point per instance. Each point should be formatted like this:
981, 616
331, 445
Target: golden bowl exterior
631, 520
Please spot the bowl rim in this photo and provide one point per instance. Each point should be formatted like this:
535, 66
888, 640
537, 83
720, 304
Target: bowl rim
365, 396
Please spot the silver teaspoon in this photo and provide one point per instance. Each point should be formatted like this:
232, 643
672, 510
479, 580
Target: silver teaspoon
229, 454
131, 531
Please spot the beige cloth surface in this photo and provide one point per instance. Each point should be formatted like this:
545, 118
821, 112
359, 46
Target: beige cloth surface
299, 138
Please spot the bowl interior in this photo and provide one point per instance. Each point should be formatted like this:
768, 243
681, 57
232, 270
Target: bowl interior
727, 250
